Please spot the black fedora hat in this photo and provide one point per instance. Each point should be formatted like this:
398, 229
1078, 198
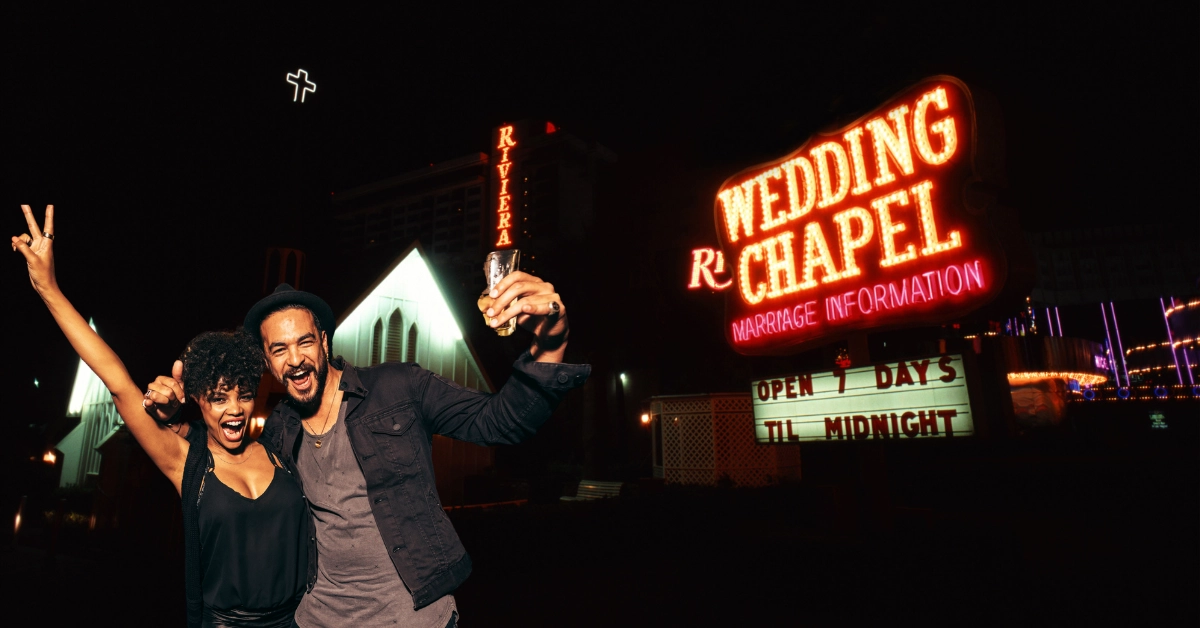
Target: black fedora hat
283, 296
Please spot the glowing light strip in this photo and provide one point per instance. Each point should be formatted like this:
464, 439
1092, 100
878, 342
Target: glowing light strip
1059, 320
1088, 394
1084, 379
1117, 328
1049, 323
1177, 343
1187, 360
1190, 366
1170, 339
1182, 306
1108, 343
1148, 369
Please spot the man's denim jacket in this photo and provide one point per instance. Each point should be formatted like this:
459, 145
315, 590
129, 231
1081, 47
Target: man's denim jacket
393, 411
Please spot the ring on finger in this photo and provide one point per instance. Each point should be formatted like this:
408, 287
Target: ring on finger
47, 235
554, 308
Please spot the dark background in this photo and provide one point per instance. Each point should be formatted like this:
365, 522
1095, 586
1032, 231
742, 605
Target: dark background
174, 153
171, 148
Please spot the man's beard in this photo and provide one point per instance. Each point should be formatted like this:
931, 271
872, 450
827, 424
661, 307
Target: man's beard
308, 408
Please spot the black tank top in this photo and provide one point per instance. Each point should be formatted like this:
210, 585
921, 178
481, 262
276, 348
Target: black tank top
253, 554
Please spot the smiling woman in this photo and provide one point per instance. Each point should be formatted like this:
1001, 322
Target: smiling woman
244, 535
221, 371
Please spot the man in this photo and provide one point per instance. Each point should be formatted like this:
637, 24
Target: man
383, 551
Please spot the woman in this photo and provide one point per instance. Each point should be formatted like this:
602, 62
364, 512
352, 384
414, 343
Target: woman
245, 519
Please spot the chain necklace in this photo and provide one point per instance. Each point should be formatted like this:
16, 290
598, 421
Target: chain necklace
324, 432
245, 457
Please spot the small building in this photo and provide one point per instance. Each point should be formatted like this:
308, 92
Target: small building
98, 420
708, 439
403, 316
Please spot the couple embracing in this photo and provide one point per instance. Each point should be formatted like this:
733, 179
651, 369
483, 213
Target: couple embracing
329, 515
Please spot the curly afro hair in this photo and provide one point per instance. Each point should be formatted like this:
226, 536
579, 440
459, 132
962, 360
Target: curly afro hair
219, 360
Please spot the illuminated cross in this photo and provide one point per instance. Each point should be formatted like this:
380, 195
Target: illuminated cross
301, 83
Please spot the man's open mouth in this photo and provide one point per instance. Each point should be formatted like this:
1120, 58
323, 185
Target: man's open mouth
233, 429
301, 379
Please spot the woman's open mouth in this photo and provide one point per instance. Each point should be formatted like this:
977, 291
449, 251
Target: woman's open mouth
234, 429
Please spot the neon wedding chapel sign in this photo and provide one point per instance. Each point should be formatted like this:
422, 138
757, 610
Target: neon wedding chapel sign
862, 228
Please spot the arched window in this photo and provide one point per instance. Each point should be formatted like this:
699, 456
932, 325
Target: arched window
376, 342
411, 355
395, 336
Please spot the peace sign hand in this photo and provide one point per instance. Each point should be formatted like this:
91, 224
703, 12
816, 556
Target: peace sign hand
38, 250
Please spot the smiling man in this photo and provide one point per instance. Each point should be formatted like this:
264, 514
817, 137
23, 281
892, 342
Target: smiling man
383, 551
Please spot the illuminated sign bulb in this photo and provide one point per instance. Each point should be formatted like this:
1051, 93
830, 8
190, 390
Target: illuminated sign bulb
302, 85
703, 269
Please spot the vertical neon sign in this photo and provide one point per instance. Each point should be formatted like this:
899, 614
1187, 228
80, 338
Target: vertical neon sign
504, 203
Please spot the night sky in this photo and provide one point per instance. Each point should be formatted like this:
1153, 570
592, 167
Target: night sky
172, 150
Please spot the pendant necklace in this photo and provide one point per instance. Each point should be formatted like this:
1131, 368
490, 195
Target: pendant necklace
317, 442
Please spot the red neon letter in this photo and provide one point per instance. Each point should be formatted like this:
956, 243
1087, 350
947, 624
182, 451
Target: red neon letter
853, 138
738, 203
506, 137
777, 263
770, 220
928, 228
821, 155
796, 191
816, 253
888, 229
848, 242
758, 292
943, 127
701, 260
891, 143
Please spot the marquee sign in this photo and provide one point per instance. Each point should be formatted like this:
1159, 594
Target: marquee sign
863, 228
905, 400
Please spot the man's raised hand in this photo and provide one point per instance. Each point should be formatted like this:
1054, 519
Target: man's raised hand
165, 394
537, 308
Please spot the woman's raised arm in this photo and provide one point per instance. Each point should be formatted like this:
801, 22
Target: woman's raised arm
165, 448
